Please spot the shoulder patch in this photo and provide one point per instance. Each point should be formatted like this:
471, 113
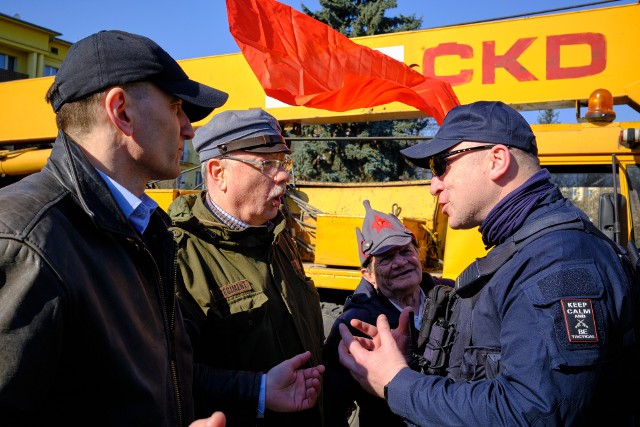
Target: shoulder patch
579, 320
231, 289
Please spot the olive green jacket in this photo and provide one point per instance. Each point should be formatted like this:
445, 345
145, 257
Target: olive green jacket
247, 294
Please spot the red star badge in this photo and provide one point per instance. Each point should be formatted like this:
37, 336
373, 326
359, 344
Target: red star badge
380, 223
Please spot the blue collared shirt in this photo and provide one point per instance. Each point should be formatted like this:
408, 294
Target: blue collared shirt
137, 210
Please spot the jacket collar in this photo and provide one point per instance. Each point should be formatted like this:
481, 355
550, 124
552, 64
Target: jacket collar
70, 166
189, 212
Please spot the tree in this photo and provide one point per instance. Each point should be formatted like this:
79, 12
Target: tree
355, 18
370, 160
359, 160
547, 117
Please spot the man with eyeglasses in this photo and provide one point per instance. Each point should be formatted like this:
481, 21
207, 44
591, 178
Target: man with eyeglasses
544, 331
392, 278
241, 282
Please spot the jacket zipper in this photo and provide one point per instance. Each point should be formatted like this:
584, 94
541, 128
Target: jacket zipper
169, 318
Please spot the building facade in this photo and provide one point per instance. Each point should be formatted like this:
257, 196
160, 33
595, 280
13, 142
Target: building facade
28, 50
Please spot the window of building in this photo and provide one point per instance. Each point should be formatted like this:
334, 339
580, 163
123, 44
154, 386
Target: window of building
8, 62
50, 71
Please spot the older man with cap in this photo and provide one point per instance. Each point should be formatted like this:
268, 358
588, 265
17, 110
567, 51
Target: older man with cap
392, 279
242, 281
90, 330
544, 320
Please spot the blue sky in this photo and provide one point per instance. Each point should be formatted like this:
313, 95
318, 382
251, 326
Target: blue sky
196, 28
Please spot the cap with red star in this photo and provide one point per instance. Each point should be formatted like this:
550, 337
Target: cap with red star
380, 233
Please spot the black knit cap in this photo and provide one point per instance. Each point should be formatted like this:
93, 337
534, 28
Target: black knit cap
111, 58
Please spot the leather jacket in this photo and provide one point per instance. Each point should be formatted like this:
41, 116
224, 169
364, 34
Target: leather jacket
89, 325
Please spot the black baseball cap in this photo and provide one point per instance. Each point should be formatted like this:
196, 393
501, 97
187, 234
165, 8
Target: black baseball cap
483, 121
380, 233
111, 58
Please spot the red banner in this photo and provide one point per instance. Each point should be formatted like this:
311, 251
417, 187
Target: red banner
301, 61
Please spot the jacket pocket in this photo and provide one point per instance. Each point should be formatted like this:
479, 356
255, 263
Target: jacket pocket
241, 314
480, 363
238, 330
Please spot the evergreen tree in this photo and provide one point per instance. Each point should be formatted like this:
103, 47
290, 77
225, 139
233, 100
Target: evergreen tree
359, 160
356, 18
547, 117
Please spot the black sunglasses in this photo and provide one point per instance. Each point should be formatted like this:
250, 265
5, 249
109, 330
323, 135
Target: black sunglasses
438, 164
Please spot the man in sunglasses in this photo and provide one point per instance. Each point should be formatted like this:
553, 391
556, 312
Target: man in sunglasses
543, 321
241, 282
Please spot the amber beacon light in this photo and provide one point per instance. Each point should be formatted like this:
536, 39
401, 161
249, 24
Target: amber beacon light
600, 107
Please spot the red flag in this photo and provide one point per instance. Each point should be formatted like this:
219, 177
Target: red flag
301, 61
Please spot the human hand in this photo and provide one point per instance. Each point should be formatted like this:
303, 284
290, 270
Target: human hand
401, 334
216, 420
291, 389
375, 361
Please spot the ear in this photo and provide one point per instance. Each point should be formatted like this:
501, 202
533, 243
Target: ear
499, 162
369, 276
117, 104
217, 174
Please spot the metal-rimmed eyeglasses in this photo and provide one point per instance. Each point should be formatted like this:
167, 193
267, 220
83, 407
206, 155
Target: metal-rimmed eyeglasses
269, 167
438, 164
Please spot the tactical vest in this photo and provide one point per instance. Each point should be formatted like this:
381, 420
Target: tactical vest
447, 312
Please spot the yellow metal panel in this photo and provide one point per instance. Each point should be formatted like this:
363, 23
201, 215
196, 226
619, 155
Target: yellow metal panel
336, 242
334, 278
462, 247
24, 114
554, 77
595, 45
580, 143
22, 162
229, 73
558, 45
165, 196
412, 198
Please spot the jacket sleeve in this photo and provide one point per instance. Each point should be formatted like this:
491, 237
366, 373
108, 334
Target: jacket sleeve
233, 392
31, 328
339, 388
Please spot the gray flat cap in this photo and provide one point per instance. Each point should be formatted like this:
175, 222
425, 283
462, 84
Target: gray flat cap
252, 130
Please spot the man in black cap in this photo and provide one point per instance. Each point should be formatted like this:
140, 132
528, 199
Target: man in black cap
392, 279
543, 321
242, 283
90, 329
